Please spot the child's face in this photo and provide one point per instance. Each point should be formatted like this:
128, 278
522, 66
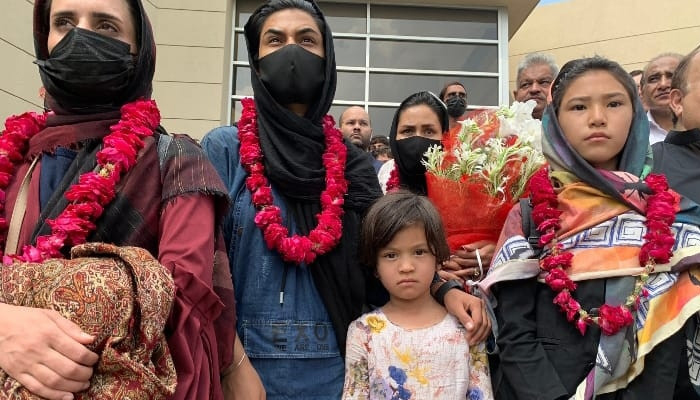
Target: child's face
596, 115
406, 265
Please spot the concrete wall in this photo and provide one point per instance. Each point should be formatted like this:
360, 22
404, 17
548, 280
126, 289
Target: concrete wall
192, 68
630, 32
19, 78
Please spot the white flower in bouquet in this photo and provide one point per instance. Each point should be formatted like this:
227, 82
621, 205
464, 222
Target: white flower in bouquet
503, 160
517, 120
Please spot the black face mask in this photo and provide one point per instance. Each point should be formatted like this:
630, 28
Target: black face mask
456, 106
411, 152
292, 74
87, 71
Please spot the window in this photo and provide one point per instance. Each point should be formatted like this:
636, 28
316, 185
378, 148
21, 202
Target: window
386, 52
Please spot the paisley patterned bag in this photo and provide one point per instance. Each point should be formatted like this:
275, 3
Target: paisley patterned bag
123, 297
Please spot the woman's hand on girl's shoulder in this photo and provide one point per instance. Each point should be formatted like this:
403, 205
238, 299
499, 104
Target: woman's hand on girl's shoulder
471, 312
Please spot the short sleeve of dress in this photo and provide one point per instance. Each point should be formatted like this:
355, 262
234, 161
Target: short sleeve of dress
479, 376
356, 362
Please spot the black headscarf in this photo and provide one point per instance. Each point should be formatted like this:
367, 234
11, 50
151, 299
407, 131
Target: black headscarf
414, 183
145, 61
292, 148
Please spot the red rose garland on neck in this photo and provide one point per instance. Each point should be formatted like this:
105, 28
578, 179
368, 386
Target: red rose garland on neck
94, 190
297, 249
660, 215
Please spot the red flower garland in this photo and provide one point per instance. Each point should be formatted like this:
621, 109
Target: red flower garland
297, 249
94, 190
394, 182
660, 215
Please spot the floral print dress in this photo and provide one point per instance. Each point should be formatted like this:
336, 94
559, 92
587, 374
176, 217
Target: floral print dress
385, 361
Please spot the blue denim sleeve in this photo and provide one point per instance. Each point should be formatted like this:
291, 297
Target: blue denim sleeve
221, 147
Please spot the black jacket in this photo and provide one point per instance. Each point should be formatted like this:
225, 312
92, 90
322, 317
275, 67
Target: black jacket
542, 355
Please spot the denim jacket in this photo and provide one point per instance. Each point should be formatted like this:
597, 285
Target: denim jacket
282, 321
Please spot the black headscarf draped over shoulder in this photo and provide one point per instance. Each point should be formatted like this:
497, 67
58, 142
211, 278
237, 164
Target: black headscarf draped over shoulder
293, 147
145, 61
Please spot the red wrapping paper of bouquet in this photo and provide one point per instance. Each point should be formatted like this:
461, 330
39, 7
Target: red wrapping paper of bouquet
468, 212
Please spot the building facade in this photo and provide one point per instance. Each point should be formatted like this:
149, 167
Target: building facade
385, 50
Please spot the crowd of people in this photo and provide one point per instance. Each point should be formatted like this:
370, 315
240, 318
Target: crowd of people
122, 244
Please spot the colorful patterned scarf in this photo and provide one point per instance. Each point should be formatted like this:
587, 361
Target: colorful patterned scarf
602, 226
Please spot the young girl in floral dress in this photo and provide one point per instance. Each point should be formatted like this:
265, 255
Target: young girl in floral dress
410, 348
600, 302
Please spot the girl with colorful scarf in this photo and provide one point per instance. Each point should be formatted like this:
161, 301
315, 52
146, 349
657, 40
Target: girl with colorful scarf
153, 318
606, 308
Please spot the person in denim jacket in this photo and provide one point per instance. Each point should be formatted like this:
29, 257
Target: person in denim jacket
294, 303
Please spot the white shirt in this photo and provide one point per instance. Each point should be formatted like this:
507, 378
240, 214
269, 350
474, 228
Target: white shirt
385, 173
656, 132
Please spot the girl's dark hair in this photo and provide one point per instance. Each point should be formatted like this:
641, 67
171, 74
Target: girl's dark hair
394, 212
575, 68
259, 16
430, 100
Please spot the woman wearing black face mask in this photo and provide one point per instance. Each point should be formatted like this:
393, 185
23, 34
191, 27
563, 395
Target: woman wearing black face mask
293, 248
99, 168
420, 123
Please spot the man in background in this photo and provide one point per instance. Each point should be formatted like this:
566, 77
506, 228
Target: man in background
454, 95
357, 129
678, 156
656, 89
356, 126
535, 75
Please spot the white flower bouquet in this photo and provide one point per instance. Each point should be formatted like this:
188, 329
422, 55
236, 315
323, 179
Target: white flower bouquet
483, 169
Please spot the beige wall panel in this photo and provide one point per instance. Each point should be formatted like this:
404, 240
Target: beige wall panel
634, 52
188, 100
576, 22
11, 105
631, 52
16, 22
20, 76
195, 128
190, 28
578, 28
225, 62
152, 13
190, 64
199, 5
